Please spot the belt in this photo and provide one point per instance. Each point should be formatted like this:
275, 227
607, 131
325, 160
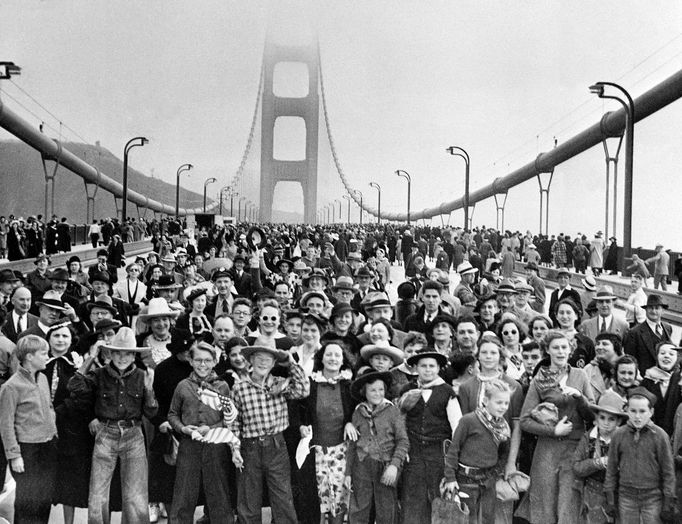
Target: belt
264, 440
123, 424
469, 470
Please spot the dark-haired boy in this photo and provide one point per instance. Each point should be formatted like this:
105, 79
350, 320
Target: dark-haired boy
640, 475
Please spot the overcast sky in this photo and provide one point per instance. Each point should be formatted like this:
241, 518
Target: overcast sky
404, 80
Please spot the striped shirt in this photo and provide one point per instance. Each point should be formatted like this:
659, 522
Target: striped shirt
263, 413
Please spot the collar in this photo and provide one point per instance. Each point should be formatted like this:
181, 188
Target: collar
435, 382
17, 316
114, 372
202, 382
367, 410
608, 321
594, 434
652, 326
43, 327
648, 426
27, 374
319, 377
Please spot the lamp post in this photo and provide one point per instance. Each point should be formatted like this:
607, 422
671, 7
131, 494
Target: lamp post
458, 151
206, 183
358, 192
8, 70
378, 188
133, 142
347, 197
233, 194
183, 167
406, 176
239, 208
222, 195
340, 203
629, 106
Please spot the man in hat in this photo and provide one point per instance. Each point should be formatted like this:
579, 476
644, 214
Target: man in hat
167, 288
224, 286
103, 266
506, 295
60, 283
522, 302
101, 287
20, 319
661, 267
7, 281
363, 278
120, 393
50, 310
170, 267
343, 290
261, 403
605, 321
539, 296
352, 264
641, 341
379, 306
242, 279
590, 290
464, 290
563, 291
597, 254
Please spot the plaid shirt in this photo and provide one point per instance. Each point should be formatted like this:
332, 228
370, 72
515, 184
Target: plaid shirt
261, 413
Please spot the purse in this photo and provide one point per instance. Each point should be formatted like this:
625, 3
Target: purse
449, 508
545, 413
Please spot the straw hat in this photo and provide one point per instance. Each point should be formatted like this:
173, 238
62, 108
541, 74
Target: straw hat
124, 340
158, 307
395, 354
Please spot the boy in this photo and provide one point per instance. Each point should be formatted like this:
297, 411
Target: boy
530, 356
640, 475
121, 394
478, 451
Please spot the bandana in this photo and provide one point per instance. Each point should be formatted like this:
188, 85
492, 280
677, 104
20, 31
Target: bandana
498, 426
366, 411
548, 378
660, 377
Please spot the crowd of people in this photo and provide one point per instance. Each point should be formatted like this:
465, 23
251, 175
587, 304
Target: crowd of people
283, 366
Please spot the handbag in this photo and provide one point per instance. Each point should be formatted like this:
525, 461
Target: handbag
449, 508
545, 413
170, 457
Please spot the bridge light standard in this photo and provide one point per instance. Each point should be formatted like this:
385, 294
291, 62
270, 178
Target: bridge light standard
8, 70
359, 193
133, 142
347, 197
406, 176
629, 106
458, 151
239, 208
339, 202
206, 183
378, 188
183, 167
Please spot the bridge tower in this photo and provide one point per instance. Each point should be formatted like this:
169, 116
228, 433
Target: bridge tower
307, 107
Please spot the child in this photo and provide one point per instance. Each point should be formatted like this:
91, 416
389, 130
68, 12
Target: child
463, 366
531, 354
591, 455
404, 374
640, 475
478, 451
381, 356
374, 460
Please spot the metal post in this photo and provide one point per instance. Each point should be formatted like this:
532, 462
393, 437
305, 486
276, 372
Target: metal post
544, 196
609, 160
378, 188
500, 209
50, 180
183, 167
129, 145
347, 197
406, 176
358, 192
458, 151
206, 183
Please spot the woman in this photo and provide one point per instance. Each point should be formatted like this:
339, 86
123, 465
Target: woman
194, 319
74, 449
341, 320
442, 331
600, 372
116, 252
131, 290
38, 280
79, 277
312, 328
538, 326
16, 249
159, 318
153, 259
552, 497
34, 239
327, 413
235, 367
155, 274
383, 267
663, 380
625, 376
269, 318
582, 348
381, 331
512, 333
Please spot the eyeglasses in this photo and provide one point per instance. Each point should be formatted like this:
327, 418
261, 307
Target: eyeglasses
271, 319
241, 313
203, 361
512, 332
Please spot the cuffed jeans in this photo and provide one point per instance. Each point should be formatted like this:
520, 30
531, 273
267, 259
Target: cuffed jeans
640, 506
367, 486
421, 481
33, 498
206, 463
127, 445
265, 458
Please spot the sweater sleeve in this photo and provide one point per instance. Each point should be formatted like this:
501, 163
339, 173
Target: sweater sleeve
527, 423
667, 466
175, 410
402, 442
8, 408
452, 457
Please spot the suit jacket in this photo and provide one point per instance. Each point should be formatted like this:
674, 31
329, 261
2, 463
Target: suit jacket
568, 293
640, 342
35, 330
9, 329
243, 284
590, 328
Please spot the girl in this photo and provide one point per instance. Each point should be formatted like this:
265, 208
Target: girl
312, 327
236, 367
538, 327
582, 348
625, 376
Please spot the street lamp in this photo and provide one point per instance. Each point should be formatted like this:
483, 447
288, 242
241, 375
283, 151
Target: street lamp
406, 176
358, 192
347, 197
239, 208
206, 183
183, 167
629, 106
133, 142
9, 69
340, 203
222, 195
378, 188
458, 151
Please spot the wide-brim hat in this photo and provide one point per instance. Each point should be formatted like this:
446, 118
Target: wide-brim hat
42, 256
506, 286
363, 272
375, 300
7, 275
395, 354
317, 272
524, 287
59, 274
655, 300
605, 293
277, 354
343, 282
256, 238
181, 341
101, 276
158, 307
166, 282
369, 376
301, 267
443, 317
51, 299
107, 323
428, 353
589, 283
610, 402
284, 261
124, 340
103, 302
169, 257
465, 268
194, 292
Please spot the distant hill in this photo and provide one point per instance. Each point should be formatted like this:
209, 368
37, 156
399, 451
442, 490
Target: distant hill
23, 184
287, 217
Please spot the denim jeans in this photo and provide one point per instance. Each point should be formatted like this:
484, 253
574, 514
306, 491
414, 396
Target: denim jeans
367, 488
482, 500
33, 498
640, 506
421, 481
126, 445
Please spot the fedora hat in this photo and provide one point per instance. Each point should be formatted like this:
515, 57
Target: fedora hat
317, 273
59, 274
343, 282
395, 354
101, 276
655, 300
158, 307
42, 256
374, 300
589, 283
465, 268
103, 302
506, 286
428, 353
169, 257
256, 238
605, 293
7, 275
277, 354
284, 261
166, 282
106, 324
610, 402
363, 272
532, 265
369, 376
51, 299
339, 309
124, 340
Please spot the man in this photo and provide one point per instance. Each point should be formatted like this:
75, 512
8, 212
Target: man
50, 310
661, 267
590, 290
101, 285
488, 313
641, 341
242, 279
538, 300
343, 290
261, 403
328, 260
222, 280
466, 335
363, 278
102, 266
352, 264
522, 302
634, 307
464, 290
223, 330
431, 300
506, 294
283, 294
169, 263
59, 279
20, 319
7, 281
379, 306
563, 291
604, 322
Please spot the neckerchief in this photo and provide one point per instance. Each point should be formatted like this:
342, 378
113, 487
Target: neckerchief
430, 385
636, 431
366, 411
498, 426
206, 382
318, 376
660, 377
547, 378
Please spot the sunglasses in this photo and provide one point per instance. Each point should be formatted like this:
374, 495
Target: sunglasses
513, 332
271, 319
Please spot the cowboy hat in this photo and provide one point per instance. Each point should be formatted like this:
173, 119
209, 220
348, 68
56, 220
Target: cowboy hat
428, 353
7, 275
124, 340
610, 402
369, 376
277, 354
158, 307
395, 354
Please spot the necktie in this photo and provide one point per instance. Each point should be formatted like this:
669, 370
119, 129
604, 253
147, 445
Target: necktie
20, 327
603, 326
659, 331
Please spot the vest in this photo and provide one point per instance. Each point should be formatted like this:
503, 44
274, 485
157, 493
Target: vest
428, 421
